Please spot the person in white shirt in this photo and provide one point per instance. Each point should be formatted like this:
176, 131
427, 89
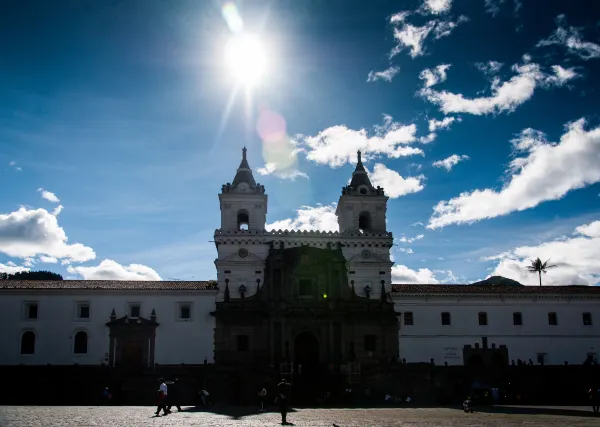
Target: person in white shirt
162, 398
262, 395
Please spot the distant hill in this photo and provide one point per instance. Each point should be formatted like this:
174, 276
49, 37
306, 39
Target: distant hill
497, 281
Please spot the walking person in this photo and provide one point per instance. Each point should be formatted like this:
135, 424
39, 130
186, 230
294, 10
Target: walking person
283, 390
262, 396
205, 397
162, 398
174, 395
594, 394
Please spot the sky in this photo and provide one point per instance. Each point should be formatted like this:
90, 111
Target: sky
121, 120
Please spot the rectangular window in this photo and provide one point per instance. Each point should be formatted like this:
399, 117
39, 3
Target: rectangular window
242, 343
446, 319
483, 320
587, 319
83, 310
371, 343
408, 318
31, 310
134, 311
552, 319
305, 288
517, 319
185, 311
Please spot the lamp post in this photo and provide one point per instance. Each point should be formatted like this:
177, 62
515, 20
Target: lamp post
242, 290
368, 291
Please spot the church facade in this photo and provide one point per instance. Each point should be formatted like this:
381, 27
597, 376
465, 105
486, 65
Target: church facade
303, 300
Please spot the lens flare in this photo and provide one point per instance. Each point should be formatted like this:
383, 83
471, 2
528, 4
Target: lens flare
278, 150
232, 17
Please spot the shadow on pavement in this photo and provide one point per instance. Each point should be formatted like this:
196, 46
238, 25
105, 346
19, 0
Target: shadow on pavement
234, 412
582, 411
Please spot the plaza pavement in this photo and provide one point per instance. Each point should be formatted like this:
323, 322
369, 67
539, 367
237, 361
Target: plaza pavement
138, 416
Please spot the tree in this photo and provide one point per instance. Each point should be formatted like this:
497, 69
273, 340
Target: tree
31, 275
539, 267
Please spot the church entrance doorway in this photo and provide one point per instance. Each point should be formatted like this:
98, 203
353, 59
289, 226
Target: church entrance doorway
132, 354
306, 353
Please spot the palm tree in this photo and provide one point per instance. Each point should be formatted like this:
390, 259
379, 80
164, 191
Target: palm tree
539, 267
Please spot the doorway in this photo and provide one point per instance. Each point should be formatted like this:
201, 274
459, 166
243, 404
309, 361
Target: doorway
306, 353
132, 354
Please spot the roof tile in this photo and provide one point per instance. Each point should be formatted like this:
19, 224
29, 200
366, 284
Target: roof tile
495, 289
109, 284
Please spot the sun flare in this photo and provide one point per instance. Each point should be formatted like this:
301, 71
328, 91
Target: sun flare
246, 59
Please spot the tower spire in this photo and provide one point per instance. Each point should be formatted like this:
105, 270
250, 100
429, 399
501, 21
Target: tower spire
360, 176
244, 173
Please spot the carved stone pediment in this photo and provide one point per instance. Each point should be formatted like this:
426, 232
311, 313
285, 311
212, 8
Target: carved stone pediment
236, 258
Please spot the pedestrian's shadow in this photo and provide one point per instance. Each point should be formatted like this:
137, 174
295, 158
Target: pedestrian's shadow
234, 412
537, 410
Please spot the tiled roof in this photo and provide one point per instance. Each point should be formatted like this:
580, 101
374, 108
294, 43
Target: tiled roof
109, 285
495, 289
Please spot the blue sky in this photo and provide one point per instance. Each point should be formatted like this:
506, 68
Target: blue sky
478, 117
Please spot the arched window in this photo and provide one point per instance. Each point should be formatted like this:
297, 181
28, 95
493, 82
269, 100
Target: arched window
28, 342
80, 343
243, 219
364, 221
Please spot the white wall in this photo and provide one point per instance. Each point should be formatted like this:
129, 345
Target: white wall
242, 271
176, 341
568, 341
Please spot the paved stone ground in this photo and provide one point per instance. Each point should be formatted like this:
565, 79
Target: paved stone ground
43, 416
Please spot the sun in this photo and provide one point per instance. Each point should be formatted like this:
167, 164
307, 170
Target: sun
246, 59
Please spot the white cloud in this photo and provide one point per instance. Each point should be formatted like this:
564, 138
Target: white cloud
57, 210
429, 138
51, 197
589, 230
393, 183
338, 145
406, 250
399, 17
11, 268
29, 262
437, 7
34, 232
572, 39
445, 28
386, 75
413, 37
561, 75
449, 162
545, 171
112, 270
48, 259
403, 275
291, 174
506, 96
13, 164
433, 76
405, 239
489, 68
576, 259
442, 124
308, 218
493, 6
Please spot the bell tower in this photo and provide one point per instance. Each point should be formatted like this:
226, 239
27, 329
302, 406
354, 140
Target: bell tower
241, 250
243, 202
361, 207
